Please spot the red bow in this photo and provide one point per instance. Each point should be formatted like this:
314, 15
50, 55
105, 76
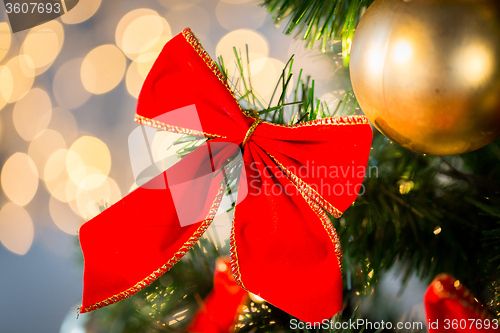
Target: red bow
451, 307
283, 245
220, 308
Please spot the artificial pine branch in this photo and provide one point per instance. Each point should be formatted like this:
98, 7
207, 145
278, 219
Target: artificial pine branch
320, 20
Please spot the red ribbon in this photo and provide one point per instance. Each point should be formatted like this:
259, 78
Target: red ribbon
220, 308
283, 245
451, 307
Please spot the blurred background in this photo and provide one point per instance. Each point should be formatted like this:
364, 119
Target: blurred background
67, 103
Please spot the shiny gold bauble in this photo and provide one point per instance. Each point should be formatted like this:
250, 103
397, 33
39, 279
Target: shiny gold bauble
427, 72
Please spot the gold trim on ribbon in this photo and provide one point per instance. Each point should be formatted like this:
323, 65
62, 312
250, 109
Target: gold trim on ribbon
458, 292
337, 121
307, 190
327, 224
317, 204
250, 132
233, 251
174, 129
166, 267
325, 221
195, 43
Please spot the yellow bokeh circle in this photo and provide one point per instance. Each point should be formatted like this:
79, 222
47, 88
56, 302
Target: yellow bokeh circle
103, 69
19, 179
16, 228
90, 202
87, 156
5, 39
67, 87
63, 217
83, 10
142, 31
32, 113
257, 45
43, 44
43, 146
17, 77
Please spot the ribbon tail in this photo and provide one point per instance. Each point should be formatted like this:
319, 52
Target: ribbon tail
136, 240
283, 246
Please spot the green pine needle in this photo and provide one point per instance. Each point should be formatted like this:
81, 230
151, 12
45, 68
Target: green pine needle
324, 20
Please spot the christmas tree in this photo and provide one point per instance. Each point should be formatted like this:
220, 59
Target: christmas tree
417, 214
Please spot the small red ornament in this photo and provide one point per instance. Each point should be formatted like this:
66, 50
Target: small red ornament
219, 310
282, 238
451, 307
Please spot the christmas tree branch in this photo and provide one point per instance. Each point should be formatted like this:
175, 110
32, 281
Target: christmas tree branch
320, 20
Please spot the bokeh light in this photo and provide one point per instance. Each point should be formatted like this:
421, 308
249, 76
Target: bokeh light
83, 10
257, 44
63, 217
64, 122
149, 56
19, 179
178, 5
43, 44
134, 80
237, 1
141, 34
89, 156
32, 113
144, 66
43, 146
238, 15
68, 87
16, 78
199, 21
331, 100
139, 68
103, 69
133, 187
136, 74
5, 39
265, 72
16, 228
5, 81
140, 30
90, 202
56, 176
329, 73
162, 147
256, 298
71, 192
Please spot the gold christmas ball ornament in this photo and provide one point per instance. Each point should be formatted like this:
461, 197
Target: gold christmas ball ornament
427, 72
